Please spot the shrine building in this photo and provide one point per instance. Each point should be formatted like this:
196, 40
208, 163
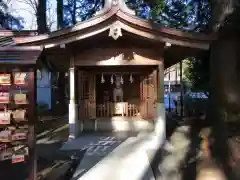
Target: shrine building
115, 62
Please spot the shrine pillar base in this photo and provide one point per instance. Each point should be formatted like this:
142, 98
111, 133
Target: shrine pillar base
74, 124
160, 124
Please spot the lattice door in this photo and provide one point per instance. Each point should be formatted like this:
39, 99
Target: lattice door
92, 96
148, 96
87, 95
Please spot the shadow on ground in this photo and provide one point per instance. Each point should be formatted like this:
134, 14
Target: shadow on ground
47, 126
225, 149
97, 146
185, 160
55, 164
50, 138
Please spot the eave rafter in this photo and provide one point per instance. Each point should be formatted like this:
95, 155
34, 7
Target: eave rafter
115, 17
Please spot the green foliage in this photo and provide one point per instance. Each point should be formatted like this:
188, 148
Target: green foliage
176, 14
193, 15
42, 108
157, 8
203, 16
197, 72
195, 106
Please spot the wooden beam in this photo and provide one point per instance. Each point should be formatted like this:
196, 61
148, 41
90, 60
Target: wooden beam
32, 119
103, 59
111, 62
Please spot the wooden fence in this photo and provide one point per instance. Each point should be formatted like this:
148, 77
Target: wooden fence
110, 109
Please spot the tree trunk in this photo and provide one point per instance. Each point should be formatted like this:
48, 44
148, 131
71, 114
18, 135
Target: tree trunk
60, 23
220, 10
225, 90
224, 75
222, 90
41, 17
74, 20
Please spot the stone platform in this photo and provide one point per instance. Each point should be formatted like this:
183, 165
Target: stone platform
118, 123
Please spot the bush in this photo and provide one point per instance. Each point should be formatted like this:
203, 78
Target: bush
195, 106
42, 108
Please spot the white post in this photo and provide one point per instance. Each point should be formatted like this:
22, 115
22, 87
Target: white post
73, 117
160, 126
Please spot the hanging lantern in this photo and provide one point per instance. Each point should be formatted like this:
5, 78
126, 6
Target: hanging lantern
121, 80
112, 79
102, 79
131, 78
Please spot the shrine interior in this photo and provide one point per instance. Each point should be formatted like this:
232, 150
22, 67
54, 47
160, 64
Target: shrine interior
130, 87
128, 91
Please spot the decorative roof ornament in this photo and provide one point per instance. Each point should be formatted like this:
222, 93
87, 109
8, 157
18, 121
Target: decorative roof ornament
131, 79
115, 4
115, 31
102, 79
121, 80
112, 79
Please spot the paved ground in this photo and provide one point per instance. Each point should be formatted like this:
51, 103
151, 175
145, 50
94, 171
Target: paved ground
128, 160
96, 147
117, 156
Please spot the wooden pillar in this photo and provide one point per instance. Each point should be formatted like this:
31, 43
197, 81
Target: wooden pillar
181, 91
169, 90
73, 115
32, 118
160, 125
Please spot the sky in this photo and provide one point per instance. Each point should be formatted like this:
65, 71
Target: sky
21, 8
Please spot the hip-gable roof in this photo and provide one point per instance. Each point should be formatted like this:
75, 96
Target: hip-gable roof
116, 15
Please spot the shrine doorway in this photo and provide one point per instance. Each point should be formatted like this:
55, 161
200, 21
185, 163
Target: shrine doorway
106, 92
118, 94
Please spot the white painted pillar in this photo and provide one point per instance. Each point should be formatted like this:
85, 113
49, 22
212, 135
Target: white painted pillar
160, 125
73, 116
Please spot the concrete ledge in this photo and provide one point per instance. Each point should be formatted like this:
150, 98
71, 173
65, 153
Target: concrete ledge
89, 125
119, 124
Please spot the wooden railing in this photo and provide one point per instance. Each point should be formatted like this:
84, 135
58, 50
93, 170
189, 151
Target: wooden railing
88, 110
110, 109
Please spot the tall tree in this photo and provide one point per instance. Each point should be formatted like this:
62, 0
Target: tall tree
60, 23
190, 15
41, 16
39, 9
77, 10
224, 75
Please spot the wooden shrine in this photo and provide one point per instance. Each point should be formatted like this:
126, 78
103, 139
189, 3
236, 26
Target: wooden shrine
115, 63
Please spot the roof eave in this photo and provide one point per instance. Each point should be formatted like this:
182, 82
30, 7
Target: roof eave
123, 17
131, 28
20, 55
